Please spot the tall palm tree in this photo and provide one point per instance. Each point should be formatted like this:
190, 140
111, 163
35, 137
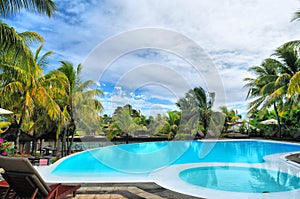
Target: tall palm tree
277, 81
288, 56
124, 123
263, 86
196, 107
26, 89
81, 102
54, 82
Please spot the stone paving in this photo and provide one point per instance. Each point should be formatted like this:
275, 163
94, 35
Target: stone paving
127, 191
294, 158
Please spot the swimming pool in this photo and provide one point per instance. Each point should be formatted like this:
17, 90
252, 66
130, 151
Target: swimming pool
241, 179
160, 161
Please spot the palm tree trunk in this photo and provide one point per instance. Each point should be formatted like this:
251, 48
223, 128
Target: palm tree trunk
18, 133
64, 137
33, 149
72, 138
57, 144
278, 119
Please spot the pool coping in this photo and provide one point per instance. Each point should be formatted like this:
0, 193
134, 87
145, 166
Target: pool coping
167, 177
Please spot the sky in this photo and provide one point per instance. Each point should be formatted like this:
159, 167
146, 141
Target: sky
149, 53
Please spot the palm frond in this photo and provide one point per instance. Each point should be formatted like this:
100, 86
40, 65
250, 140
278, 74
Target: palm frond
42, 61
294, 85
255, 104
12, 7
275, 96
283, 79
296, 16
31, 37
12, 42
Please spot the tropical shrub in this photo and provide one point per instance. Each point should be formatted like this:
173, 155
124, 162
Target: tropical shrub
6, 148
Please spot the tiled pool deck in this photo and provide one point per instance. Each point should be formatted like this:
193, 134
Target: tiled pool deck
127, 191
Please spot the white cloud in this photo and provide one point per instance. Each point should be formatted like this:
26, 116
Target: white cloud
236, 34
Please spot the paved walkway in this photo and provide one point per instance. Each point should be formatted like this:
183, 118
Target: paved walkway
127, 191
294, 158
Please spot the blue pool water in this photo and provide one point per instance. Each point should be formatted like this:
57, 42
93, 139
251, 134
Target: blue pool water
240, 179
143, 158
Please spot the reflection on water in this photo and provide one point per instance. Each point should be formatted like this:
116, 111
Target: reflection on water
241, 179
143, 158
143, 148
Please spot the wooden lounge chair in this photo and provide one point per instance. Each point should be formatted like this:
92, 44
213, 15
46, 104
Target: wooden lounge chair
5, 192
25, 181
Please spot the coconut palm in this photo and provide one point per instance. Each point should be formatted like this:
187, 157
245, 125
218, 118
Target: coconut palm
196, 108
80, 102
288, 56
277, 81
26, 89
124, 123
172, 123
263, 86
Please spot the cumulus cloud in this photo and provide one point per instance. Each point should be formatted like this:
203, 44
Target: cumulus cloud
235, 34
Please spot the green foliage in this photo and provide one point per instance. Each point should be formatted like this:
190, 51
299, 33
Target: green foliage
6, 148
195, 109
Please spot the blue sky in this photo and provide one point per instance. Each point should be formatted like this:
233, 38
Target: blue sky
233, 34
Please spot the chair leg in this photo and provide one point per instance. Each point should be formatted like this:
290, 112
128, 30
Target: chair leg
10, 194
34, 193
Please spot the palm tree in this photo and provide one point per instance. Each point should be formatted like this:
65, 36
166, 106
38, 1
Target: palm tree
263, 86
277, 81
172, 124
54, 82
231, 116
124, 123
26, 89
196, 107
80, 102
289, 69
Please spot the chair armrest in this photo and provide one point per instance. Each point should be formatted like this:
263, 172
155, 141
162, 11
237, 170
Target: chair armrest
54, 191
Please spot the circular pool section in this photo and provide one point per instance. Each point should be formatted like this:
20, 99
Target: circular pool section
240, 179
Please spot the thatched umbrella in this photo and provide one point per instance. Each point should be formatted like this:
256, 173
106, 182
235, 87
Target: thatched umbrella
270, 121
11, 134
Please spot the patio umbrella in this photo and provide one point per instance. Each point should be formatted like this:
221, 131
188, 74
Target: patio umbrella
270, 121
5, 112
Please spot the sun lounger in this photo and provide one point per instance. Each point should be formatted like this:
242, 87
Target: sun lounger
4, 190
25, 181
